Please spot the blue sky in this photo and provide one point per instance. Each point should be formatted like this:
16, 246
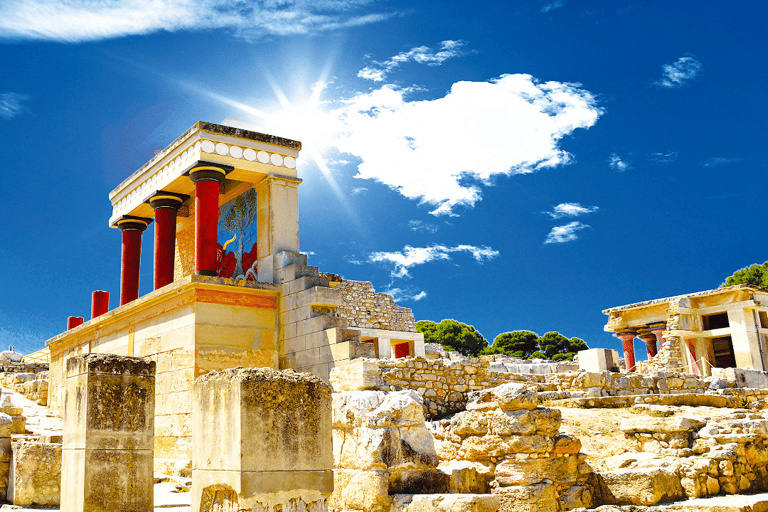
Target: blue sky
512, 165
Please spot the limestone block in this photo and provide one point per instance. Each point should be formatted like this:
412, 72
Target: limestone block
360, 375
35, 477
528, 498
483, 448
512, 472
644, 486
670, 425
349, 408
360, 490
265, 434
541, 420
446, 503
471, 423
6, 423
507, 397
467, 477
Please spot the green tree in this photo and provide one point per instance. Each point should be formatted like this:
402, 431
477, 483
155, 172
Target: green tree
240, 216
453, 335
515, 343
754, 274
429, 330
555, 344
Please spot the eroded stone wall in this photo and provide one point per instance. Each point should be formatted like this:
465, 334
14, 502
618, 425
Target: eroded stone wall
363, 307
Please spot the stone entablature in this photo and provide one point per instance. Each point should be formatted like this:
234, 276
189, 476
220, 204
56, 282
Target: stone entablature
363, 307
248, 152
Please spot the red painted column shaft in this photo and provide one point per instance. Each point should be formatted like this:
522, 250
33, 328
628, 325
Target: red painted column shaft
650, 344
99, 303
627, 341
74, 321
129, 266
132, 228
659, 337
206, 218
165, 244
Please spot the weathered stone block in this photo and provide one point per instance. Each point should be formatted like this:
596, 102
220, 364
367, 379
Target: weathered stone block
264, 434
640, 486
35, 477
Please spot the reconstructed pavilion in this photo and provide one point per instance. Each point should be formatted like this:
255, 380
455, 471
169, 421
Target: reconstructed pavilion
720, 328
258, 305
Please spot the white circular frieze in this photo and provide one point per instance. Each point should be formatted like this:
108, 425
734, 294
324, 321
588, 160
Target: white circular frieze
276, 159
289, 162
208, 146
222, 149
263, 157
249, 154
236, 151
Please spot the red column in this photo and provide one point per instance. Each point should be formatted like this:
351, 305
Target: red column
166, 206
627, 340
650, 343
659, 336
99, 303
74, 321
207, 180
132, 229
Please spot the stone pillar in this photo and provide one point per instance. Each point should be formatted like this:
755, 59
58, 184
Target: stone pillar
261, 441
207, 178
74, 321
277, 222
650, 343
658, 331
627, 341
109, 420
166, 205
132, 228
99, 303
6, 423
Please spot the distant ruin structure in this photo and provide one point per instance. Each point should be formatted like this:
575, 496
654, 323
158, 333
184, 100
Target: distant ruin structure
230, 285
696, 332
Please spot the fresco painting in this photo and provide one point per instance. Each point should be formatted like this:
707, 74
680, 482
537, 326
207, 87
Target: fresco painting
237, 234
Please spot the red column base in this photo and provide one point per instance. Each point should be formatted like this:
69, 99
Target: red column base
99, 303
627, 342
74, 321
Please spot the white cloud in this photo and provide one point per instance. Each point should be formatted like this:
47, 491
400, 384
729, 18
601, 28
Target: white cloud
679, 72
422, 227
552, 6
570, 210
412, 256
420, 55
567, 233
427, 149
616, 163
664, 158
90, 20
718, 161
359, 190
399, 294
12, 105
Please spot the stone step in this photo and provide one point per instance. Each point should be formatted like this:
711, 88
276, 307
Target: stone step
732, 503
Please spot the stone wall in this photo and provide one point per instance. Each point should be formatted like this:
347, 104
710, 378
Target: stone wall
27, 379
363, 307
445, 385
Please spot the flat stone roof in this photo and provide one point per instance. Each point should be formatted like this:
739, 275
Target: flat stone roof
653, 302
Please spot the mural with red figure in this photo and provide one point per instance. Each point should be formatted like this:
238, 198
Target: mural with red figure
237, 218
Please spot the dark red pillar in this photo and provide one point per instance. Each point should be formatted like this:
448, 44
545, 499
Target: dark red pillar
627, 342
659, 333
166, 205
74, 321
132, 228
207, 180
650, 343
99, 303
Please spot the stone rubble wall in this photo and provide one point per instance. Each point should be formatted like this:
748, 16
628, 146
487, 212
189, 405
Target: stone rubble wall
27, 379
363, 307
682, 457
510, 438
381, 447
445, 385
